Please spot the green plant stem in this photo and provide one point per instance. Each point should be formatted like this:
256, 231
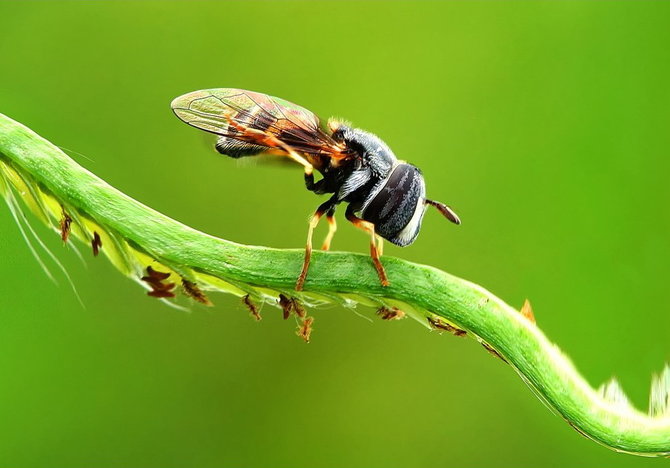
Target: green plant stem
420, 290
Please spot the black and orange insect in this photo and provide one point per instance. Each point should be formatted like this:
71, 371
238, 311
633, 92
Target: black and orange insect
386, 197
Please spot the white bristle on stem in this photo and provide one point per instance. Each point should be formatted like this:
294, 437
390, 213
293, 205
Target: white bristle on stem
659, 400
612, 392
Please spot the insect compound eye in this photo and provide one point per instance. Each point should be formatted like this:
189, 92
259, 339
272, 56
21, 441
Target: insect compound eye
398, 208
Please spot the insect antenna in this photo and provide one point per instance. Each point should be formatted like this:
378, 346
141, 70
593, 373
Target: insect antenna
445, 211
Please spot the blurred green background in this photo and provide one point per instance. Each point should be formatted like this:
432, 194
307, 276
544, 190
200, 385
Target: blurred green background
544, 124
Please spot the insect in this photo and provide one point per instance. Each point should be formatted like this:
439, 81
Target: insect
386, 197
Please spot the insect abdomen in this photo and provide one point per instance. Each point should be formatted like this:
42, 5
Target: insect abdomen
238, 149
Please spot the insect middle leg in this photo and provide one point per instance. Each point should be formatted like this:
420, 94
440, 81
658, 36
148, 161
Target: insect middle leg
332, 228
329, 208
374, 248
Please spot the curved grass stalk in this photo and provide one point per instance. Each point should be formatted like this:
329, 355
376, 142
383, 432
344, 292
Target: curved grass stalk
166, 256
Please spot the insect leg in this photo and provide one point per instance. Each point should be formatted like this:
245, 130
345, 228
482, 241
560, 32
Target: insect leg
313, 223
374, 250
267, 139
309, 169
380, 245
316, 187
332, 227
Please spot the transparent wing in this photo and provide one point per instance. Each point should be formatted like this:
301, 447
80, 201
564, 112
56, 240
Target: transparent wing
256, 118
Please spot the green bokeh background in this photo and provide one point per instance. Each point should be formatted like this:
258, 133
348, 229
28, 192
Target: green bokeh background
545, 124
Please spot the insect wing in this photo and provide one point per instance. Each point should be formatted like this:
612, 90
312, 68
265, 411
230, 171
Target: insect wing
230, 112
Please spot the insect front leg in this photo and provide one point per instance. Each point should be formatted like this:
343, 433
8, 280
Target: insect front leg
374, 249
380, 245
313, 223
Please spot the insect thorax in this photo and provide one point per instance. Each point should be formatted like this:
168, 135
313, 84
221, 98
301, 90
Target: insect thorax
365, 174
386, 192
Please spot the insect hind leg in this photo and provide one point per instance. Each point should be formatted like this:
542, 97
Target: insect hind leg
327, 207
268, 139
317, 187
